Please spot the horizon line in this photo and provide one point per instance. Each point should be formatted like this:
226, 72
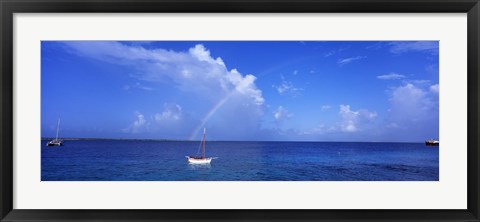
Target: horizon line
189, 140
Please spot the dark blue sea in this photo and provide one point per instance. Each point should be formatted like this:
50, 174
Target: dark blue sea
136, 160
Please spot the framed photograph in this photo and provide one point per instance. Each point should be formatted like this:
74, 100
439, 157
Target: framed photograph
231, 110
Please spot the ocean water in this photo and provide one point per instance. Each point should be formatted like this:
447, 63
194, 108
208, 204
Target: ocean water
135, 160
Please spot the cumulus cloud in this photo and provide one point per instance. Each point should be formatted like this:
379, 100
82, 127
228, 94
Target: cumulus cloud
352, 121
286, 87
194, 73
408, 46
246, 85
409, 97
139, 125
414, 101
172, 112
348, 60
184, 69
281, 114
390, 76
359, 125
283, 87
434, 88
414, 112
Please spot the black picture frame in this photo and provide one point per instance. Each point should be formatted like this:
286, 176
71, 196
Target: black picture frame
9, 7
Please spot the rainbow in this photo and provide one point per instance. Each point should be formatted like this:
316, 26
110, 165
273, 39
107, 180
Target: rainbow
210, 113
222, 101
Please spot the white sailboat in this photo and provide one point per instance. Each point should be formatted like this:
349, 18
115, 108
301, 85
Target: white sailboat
432, 142
202, 159
56, 141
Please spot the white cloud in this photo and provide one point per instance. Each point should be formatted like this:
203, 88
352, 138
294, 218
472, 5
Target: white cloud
321, 129
420, 46
295, 72
286, 87
172, 112
246, 85
390, 76
281, 114
393, 125
335, 51
137, 86
408, 96
195, 70
413, 113
411, 104
418, 82
357, 122
345, 61
352, 121
325, 107
434, 88
202, 54
194, 73
375, 46
139, 122
138, 125
328, 54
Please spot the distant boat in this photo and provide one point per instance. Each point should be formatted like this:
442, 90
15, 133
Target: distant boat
200, 159
56, 141
432, 142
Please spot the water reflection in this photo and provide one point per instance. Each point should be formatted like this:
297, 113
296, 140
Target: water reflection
199, 166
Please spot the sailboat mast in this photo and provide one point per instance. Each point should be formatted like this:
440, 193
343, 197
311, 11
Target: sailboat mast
203, 143
58, 126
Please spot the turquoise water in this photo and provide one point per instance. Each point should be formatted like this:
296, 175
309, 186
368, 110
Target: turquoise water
131, 160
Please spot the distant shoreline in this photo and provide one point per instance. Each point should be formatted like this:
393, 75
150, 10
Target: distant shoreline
173, 140
162, 140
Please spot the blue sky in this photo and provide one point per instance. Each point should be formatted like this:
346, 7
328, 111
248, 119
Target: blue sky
241, 90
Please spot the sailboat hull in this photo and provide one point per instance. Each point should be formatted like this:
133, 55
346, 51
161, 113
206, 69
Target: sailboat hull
55, 143
200, 159
193, 160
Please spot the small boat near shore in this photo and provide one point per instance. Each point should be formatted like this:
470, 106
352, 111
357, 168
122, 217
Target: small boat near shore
200, 159
432, 142
56, 141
